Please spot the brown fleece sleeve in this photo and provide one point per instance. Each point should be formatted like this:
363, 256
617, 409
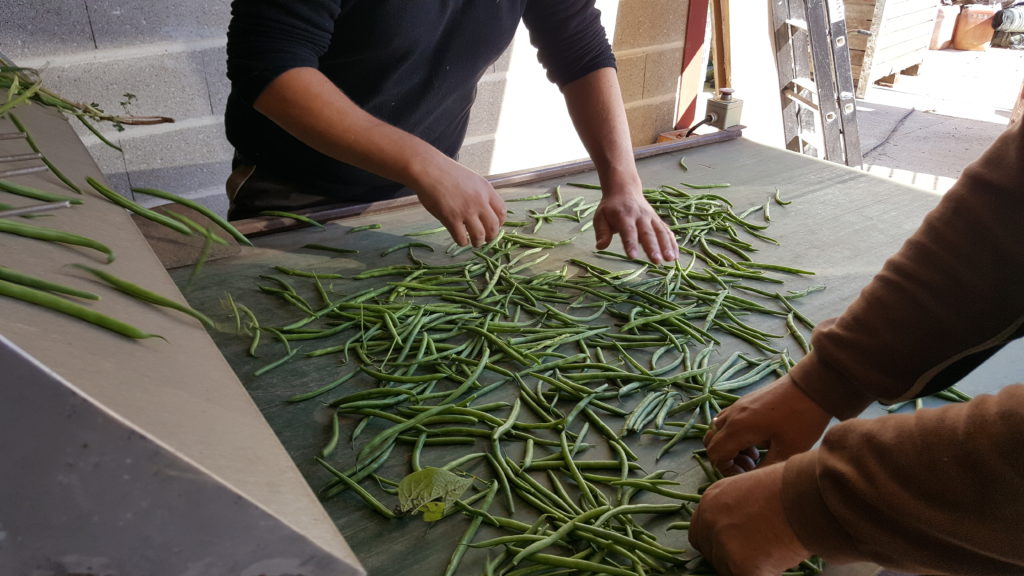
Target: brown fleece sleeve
939, 491
954, 289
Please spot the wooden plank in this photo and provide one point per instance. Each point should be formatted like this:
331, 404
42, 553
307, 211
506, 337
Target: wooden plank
913, 20
921, 31
911, 44
693, 73
720, 37
862, 79
896, 8
860, 12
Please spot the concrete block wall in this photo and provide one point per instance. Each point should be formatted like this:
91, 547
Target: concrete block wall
171, 56
648, 43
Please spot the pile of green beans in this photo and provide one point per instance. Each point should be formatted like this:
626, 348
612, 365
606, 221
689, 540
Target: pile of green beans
539, 382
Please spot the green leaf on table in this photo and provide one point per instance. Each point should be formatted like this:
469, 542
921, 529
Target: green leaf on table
431, 491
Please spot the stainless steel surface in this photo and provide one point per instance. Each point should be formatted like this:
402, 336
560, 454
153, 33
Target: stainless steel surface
34, 209
179, 394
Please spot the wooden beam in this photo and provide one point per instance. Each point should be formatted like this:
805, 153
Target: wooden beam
694, 70
721, 43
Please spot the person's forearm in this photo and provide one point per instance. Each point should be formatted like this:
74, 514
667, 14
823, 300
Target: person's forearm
311, 108
954, 289
938, 491
595, 106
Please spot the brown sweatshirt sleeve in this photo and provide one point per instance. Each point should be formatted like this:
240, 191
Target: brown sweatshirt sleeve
954, 292
941, 490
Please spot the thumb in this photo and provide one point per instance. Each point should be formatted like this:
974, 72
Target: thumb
602, 231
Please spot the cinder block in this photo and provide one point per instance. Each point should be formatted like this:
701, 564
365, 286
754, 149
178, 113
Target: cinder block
486, 111
649, 119
215, 67
180, 161
41, 28
171, 85
649, 23
110, 163
477, 156
503, 61
116, 23
632, 70
662, 71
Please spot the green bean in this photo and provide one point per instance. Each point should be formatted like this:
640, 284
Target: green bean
51, 235
209, 214
275, 363
388, 435
578, 564
305, 274
363, 228
145, 295
332, 441
40, 284
35, 194
292, 216
409, 245
350, 483
127, 204
197, 227
474, 526
58, 304
326, 248
437, 230
541, 196
322, 390
791, 325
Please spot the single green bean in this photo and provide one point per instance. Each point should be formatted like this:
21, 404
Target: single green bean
51, 235
350, 483
293, 216
209, 214
145, 295
35, 194
40, 284
363, 228
127, 204
474, 526
58, 304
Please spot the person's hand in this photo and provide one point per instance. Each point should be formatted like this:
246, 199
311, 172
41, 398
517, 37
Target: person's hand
629, 215
464, 202
778, 417
741, 529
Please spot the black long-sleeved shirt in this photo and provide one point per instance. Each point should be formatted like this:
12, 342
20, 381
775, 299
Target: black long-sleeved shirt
414, 65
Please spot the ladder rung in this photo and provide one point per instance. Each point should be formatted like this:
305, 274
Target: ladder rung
805, 83
797, 23
801, 100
